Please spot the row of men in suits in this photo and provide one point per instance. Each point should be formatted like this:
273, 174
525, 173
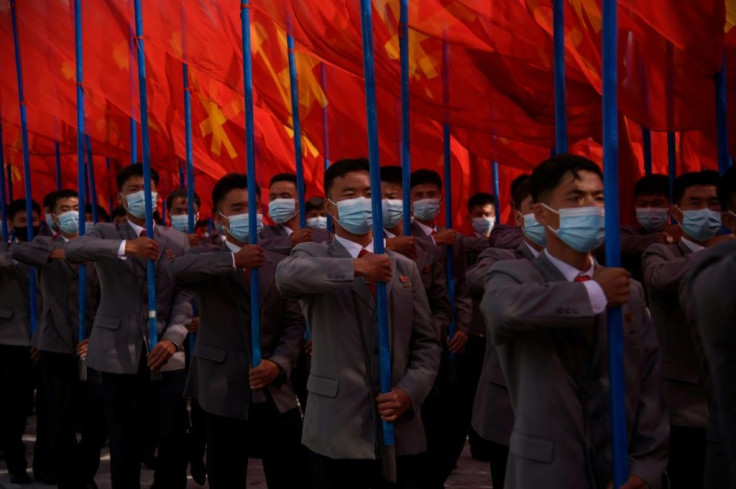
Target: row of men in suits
326, 279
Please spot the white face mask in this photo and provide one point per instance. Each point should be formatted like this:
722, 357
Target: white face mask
483, 225
581, 228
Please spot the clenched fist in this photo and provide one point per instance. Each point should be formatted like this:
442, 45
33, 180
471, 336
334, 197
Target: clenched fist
374, 268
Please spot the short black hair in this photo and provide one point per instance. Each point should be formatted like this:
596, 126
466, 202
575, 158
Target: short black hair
48, 201
102, 215
480, 199
229, 182
340, 168
119, 211
548, 174
419, 177
727, 190
63, 194
691, 179
181, 192
133, 171
655, 184
19, 205
521, 192
314, 204
392, 174
516, 182
283, 177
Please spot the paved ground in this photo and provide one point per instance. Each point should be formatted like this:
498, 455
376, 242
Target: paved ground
469, 474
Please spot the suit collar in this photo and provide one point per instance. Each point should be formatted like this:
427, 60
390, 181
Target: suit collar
549, 271
689, 246
527, 251
568, 271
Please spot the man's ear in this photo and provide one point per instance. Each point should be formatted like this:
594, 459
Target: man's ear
676, 213
729, 221
121, 199
519, 219
330, 208
540, 214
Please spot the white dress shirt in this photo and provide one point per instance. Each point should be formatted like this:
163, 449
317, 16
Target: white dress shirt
353, 247
534, 252
693, 246
138, 230
597, 297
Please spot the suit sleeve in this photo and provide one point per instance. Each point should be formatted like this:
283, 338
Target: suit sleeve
291, 335
506, 237
425, 347
649, 444
37, 252
192, 270
463, 302
476, 274
303, 273
517, 301
632, 242
662, 271
277, 243
92, 247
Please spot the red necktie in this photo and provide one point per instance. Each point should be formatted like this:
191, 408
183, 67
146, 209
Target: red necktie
371, 285
143, 234
582, 278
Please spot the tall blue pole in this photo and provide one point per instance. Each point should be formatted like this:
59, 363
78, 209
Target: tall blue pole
672, 161
151, 265
559, 68
297, 133
724, 159
496, 190
613, 243
82, 281
133, 142
91, 176
384, 352
450, 255
57, 153
255, 304
405, 111
646, 138
3, 198
190, 171
26, 165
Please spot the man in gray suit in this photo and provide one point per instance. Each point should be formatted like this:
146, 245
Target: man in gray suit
55, 340
707, 299
334, 283
492, 416
246, 408
509, 237
119, 346
283, 210
548, 322
696, 207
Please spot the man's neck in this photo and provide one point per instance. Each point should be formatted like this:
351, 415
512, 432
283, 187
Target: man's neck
292, 223
704, 244
429, 224
564, 253
67, 236
137, 220
532, 244
397, 230
234, 241
363, 240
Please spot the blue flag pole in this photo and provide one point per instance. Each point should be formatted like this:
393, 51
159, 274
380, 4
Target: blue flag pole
672, 161
255, 304
449, 252
151, 265
384, 352
613, 242
57, 153
82, 280
91, 176
190, 171
26, 165
294, 84
496, 190
559, 69
646, 139
724, 159
3, 197
405, 112
133, 142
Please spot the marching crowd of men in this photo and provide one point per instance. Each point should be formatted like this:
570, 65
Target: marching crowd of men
523, 376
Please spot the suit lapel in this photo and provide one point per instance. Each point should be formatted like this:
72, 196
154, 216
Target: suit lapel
335, 249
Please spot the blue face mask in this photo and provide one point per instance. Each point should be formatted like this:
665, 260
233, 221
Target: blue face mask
239, 226
319, 222
426, 209
652, 219
69, 222
136, 203
534, 231
483, 225
393, 211
701, 224
355, 215
180, 222
281, 210
581, 228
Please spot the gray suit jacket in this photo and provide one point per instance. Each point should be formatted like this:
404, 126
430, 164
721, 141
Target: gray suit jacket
463, 304
341, 420
57, 329
664, 266
218, 373
276, 239
120, 333
493, 417
553, 352
710, 288
434, 279
15, 327
507, 237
